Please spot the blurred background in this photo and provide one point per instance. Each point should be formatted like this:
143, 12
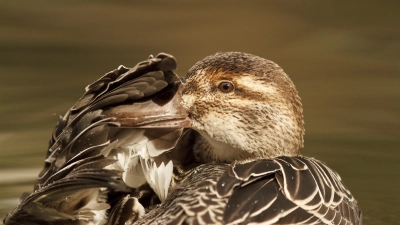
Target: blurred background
344, 58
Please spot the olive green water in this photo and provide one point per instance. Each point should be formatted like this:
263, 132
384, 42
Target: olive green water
343, 57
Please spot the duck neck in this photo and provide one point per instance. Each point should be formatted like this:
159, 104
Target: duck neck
207, 149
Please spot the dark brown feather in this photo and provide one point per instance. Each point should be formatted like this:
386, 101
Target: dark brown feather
263, 191
79, 172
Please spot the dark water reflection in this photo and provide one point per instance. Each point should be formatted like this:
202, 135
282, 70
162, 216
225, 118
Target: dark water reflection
343, 57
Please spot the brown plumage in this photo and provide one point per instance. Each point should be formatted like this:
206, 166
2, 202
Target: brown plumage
96, 166
261, 118
248, 130
231, 132
283, 190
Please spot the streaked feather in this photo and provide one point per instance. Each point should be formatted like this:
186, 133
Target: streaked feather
100, 170
90, 156
127, 210
284, 190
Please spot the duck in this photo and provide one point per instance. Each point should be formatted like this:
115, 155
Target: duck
248, 129
221, 146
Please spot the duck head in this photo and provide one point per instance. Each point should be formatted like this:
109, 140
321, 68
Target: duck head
244, 107
241, 107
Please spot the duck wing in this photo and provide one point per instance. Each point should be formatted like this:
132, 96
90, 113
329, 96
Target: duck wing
92, 156
284, 190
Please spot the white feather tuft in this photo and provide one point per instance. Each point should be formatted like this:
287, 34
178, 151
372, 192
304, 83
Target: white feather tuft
159, 178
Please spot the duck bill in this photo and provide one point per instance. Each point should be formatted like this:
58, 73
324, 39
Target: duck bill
163, 110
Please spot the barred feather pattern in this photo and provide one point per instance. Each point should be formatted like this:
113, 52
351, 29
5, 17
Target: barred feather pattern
90, 151
284, 190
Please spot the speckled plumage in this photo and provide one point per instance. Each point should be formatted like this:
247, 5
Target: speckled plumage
96, 162
238, 161
283, 190
261, 118
258, 128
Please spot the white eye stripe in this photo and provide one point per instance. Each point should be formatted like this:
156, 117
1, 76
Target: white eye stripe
254, 85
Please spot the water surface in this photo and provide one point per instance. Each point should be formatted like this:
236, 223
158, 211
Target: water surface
343, 57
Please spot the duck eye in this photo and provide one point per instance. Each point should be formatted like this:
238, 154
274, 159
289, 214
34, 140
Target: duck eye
226, 87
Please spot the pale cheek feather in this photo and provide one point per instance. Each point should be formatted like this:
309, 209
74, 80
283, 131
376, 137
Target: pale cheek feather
221, 128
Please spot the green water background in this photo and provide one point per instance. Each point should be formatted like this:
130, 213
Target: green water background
343, 56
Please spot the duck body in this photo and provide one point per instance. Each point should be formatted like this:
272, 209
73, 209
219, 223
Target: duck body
221, 146
283, 190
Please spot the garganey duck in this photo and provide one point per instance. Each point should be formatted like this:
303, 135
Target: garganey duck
221, 146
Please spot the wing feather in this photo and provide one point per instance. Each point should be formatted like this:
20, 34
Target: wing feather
284, 190
89, 152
